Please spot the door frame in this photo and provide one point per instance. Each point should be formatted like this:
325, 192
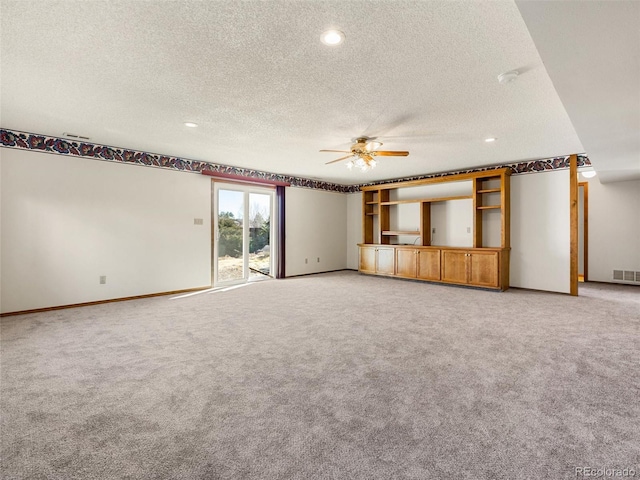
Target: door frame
246, 189
585, 227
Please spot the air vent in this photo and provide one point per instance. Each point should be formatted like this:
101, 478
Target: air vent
73, 135
626, 276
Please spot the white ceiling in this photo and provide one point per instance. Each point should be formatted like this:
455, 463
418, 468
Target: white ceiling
267, 94
596, 73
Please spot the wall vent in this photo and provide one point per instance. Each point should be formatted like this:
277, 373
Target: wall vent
626, 276
73, 135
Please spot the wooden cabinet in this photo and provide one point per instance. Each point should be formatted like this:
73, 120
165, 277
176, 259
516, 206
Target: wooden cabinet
483, 259
385, 260
407, 262
368, 259
454, 266
379, 260
422, 263
484, 269
471, 267
429, 264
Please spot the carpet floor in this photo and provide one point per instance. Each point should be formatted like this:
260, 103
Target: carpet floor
330, 376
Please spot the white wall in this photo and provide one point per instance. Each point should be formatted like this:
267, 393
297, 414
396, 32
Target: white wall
354, 229
316, 227
614, 228
540, 231
453, 223
66, 221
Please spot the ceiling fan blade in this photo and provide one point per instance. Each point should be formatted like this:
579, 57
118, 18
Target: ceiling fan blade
342, 151
389, 153
339, 159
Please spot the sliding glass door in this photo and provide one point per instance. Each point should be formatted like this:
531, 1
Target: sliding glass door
243, 233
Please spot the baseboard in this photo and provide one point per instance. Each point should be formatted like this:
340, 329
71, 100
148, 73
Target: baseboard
320, 273
99, 302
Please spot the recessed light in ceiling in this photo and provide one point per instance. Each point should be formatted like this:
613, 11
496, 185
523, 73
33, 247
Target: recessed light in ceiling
190, 124
332, 37
491, 139
507, 77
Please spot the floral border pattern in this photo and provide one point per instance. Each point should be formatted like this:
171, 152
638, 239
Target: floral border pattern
533, 166
61, 146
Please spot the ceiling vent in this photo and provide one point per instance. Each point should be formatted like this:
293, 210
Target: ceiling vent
73, 135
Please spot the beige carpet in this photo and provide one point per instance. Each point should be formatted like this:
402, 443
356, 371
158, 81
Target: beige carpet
332, 376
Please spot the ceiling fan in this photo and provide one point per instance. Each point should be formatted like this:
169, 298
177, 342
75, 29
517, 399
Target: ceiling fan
363, 152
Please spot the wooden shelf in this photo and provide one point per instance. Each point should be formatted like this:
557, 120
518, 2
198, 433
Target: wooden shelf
399, 232
427, 200
383, 253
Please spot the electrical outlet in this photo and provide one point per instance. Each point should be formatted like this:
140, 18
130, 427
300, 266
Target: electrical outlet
468, 229
198, 221
318, 259
306, 260
433, 230
103, 279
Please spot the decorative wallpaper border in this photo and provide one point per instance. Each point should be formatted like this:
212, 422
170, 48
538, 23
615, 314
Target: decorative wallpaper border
62, 146
533, 166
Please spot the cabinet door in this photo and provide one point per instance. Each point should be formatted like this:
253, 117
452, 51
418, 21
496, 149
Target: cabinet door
454, 266
406, 262
429, 264
484, 269
385, 260
368, 259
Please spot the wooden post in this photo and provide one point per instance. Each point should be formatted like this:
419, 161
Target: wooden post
585, 229
573, 224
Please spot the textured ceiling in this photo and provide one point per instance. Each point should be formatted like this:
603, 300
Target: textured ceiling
267, 94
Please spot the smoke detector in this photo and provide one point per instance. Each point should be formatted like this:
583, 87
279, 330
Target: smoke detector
507, 77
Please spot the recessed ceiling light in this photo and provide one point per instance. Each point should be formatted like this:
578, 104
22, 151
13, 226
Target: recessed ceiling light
507, 77
489, 140
588, 173
332, 37
190, 124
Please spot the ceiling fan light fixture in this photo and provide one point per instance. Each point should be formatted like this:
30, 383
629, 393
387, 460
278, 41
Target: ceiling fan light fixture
372, 145
332, 37
350, 164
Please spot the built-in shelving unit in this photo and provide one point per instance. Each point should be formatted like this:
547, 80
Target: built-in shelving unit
382, 253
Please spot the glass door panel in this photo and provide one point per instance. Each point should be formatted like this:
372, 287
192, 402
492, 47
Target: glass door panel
230, 236
259, 235
243, 234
